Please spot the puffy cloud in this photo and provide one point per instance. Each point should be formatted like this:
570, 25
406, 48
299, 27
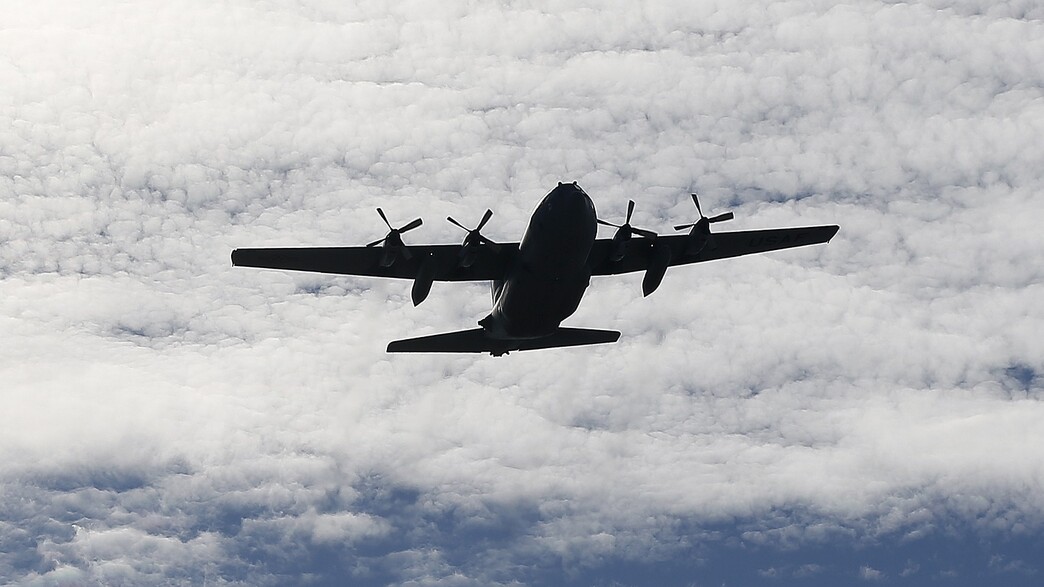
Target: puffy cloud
169, 419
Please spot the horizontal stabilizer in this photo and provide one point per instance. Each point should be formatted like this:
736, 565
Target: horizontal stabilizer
476, 341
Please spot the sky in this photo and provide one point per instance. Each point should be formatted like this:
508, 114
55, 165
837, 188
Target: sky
864, 412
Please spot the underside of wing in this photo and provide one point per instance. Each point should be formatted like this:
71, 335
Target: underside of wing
668, 251
438, 262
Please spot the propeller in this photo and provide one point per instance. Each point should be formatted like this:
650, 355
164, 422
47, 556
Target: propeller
393, 233
701, 236
625, 229
474, 236
624, 232
473, 239
393, 240
718, 218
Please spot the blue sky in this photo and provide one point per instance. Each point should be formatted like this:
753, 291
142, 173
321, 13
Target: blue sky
863, 412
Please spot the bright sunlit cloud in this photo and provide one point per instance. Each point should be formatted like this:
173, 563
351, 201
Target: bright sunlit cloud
826, 414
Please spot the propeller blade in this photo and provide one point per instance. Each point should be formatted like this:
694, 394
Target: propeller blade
643, 232
603, 222
485, 219
685, 226
384, 218
630, 210
416, 222
722, 217
696, 200
376, 242
457, 224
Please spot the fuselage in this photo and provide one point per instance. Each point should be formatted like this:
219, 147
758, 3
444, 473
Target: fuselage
551, 273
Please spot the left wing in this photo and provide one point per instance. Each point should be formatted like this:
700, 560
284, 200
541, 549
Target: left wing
436, 262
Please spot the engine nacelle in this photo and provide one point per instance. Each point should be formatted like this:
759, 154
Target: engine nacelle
618, 247
468, 254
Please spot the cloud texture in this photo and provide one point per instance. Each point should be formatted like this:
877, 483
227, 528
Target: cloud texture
842, 413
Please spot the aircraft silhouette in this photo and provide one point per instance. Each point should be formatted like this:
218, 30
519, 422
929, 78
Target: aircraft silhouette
538, 282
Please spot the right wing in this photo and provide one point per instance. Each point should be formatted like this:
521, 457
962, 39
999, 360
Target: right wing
640, 252
491, 263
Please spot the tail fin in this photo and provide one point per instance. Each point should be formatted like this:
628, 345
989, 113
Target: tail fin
476, 341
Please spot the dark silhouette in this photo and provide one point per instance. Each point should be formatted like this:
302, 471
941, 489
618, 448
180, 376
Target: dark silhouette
539, 282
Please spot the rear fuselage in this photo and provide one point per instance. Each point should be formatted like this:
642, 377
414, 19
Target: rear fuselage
551, 273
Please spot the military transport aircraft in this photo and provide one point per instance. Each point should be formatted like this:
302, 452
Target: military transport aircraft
538, 282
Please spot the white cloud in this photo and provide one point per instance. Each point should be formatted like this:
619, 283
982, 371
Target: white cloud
868, 573
167, 417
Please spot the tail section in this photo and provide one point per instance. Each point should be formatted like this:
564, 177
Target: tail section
476, 341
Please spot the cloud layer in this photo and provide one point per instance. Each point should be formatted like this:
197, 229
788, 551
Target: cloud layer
847, 412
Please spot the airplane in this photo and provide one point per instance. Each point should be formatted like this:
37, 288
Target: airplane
538, 282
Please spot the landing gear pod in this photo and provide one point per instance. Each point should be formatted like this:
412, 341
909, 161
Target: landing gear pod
658, 263
422, 283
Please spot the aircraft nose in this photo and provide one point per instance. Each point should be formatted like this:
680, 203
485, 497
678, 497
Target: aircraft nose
570, 199
570, 190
